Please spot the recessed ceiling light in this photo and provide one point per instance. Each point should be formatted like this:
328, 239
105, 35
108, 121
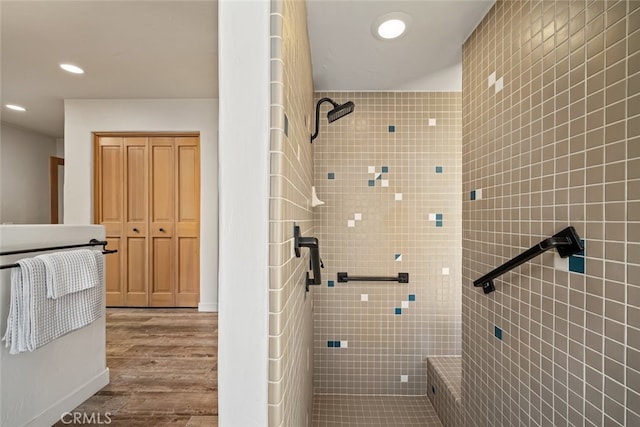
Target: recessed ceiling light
15, 107
391, 29
72, 68
390, 25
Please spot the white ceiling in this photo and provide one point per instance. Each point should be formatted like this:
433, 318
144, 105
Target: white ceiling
346, 55
168, 49
129, 49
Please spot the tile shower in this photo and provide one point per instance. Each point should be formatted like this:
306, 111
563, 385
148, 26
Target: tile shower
550, 137
390, 176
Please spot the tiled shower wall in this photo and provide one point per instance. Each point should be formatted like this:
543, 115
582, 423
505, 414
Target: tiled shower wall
551, 130
290, 321
390, 177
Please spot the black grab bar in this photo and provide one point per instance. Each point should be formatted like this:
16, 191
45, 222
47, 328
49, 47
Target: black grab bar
567, 242
314, 248
92, 242
400, 278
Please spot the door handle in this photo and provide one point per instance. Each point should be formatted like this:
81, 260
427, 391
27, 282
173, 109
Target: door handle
162, 229
135, 230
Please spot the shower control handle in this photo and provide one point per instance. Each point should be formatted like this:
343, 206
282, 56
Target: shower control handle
316, 262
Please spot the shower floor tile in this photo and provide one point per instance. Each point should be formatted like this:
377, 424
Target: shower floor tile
381, 411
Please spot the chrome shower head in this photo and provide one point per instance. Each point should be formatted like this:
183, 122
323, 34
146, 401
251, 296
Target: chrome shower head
339, 111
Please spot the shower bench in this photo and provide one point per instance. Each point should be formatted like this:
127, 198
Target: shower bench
444, 384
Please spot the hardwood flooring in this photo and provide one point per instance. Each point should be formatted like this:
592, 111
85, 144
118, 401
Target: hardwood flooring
163, 367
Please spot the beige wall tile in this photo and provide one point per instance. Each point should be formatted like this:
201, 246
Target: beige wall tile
575, 65
290, 321
394, 221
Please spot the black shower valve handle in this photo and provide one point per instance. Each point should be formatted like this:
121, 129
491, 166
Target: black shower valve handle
312, 244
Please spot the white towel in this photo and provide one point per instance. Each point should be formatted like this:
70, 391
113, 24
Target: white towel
71, 271
35, 320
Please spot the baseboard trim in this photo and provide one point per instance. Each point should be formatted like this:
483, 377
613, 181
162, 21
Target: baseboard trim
211, 307
71, 401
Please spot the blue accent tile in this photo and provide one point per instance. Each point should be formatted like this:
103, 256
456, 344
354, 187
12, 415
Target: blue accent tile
576, 264
385, 169
379, 177
438, 169
331, 284
392, 128
372, 183
336, 344
412, 297
438, 217
581, 253
331, 175
329, 343
396, 256
438, 223
497, 332
286, 125
433, 389
398, 310
473, 195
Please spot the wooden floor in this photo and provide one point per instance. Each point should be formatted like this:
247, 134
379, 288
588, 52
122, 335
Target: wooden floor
163, 370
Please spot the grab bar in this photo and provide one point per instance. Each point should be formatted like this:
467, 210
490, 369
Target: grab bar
344, 277
314, 248
567, 242
92, 242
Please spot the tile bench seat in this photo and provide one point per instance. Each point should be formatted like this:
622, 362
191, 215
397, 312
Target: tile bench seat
444, 381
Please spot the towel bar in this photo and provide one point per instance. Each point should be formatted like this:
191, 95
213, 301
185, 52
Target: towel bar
92, 242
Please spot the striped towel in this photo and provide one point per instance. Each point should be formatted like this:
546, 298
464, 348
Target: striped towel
35, 320
71, 271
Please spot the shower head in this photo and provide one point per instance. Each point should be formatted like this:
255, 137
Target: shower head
338, 112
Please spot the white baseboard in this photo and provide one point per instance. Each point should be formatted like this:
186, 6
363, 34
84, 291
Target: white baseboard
211, 307
71, 401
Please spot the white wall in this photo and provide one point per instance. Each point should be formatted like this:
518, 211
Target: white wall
60, 147
82, 117
243, 49
24, 176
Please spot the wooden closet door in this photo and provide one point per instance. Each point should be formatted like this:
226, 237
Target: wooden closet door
109, 211
188, 221
136, 185
162, 222
147, 195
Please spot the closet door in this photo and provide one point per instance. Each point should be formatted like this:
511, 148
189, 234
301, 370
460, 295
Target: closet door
109, 211
136, 198
187, 221
147, 195
162, 223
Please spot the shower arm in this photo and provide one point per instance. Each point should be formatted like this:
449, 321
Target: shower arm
335, 105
